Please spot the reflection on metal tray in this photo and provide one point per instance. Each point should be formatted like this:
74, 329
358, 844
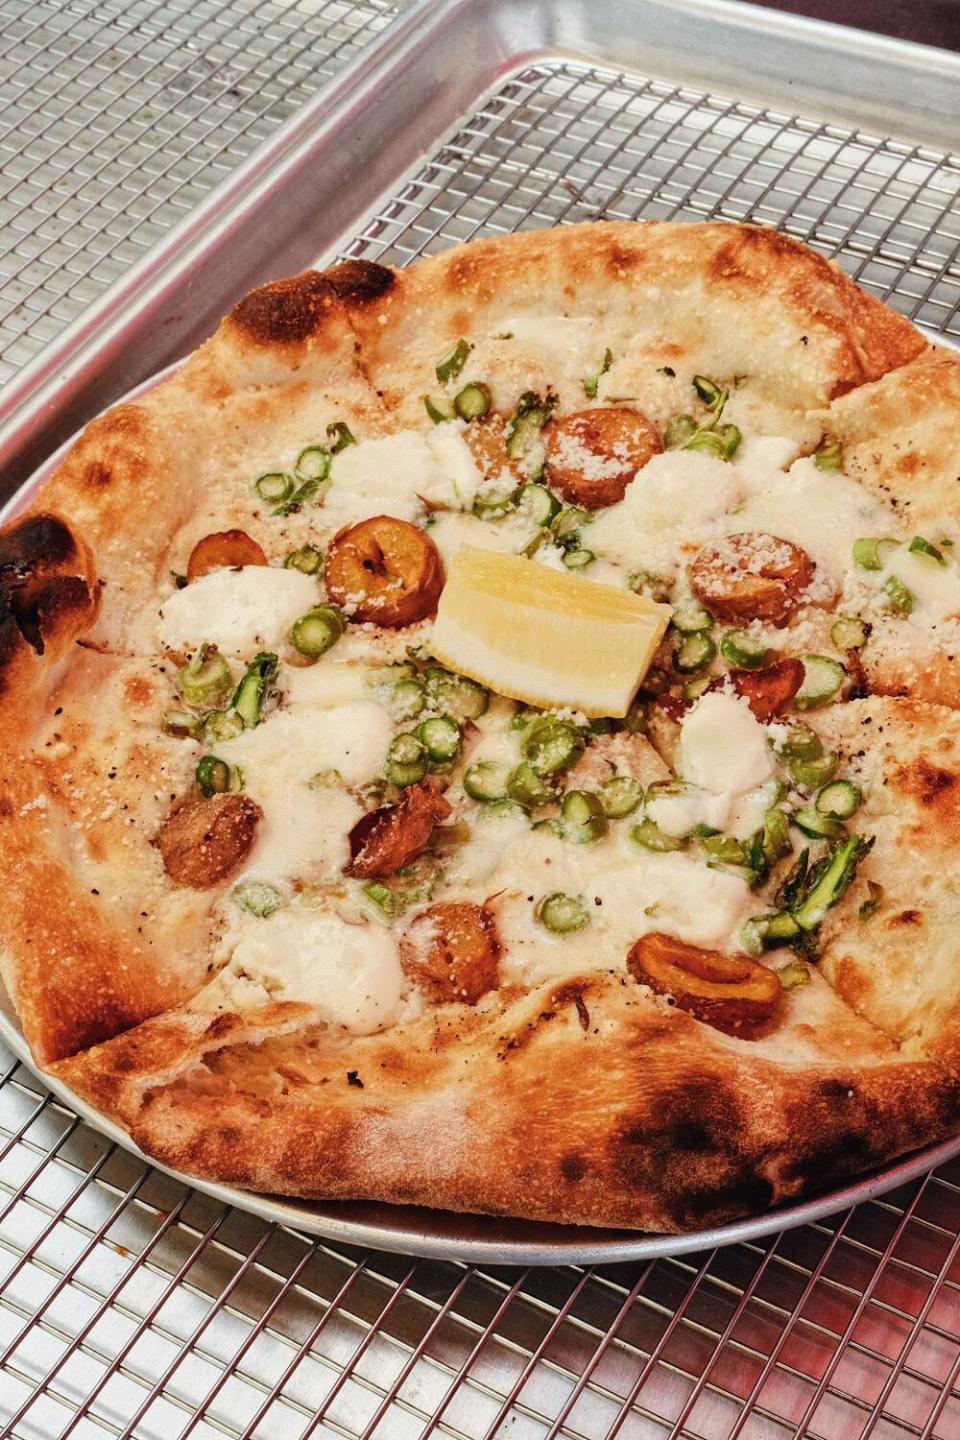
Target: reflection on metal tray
136, 1307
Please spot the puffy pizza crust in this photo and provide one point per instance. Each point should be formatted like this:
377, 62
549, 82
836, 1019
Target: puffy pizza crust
591, 1102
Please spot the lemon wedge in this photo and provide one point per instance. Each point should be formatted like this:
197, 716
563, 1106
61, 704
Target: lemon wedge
543, 636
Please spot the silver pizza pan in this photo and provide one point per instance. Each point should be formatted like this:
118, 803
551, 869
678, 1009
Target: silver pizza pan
446, 1235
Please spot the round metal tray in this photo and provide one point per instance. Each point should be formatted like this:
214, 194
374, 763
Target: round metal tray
442, 1234
483, 1239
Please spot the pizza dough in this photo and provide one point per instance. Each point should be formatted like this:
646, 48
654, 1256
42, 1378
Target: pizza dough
309, 913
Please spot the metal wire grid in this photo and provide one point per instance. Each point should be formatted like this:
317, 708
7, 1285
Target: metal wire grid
133, 1307
118, 116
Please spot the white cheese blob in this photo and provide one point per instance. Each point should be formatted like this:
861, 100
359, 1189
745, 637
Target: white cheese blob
676, 500
350, 973
304, 830
239, 611
395, 475
822, 511
935, 588
723, 747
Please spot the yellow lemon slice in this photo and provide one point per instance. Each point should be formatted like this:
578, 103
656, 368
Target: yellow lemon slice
543, 636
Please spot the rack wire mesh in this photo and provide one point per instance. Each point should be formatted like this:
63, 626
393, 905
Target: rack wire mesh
131, 1306
118, 116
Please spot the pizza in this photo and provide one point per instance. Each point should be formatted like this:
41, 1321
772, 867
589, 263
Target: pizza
485, 735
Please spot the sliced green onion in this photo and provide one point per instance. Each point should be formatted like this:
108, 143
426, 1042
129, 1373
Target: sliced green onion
833, 883
407, 699
839, 800
340, 436
181, 723
450, 366
307, 559
213, 776
578, 559
537, 503
472, 402
820, 827
767, 932
591, 385
306, 491
583, 817
645, 582
275, 487
651, 837
689, 616
620, 796
740, 648
220, 725
257, 898
439, 408
793, 975
314, 633
493, 505
801, 743
725, 849
441, 735
527, 787
249, 694
313, 463
693, 689
552, 745
562, 914
500, 809
455, 695
205, 678
678, 431
816, 771
407, 760
919, 546
774, 838
694, 653
388, 903
567, 525
530, 416
848, 632
325, 780
635, 721
822, 678
723, 443
709, 392
828, 455
871, 554
486, 780
899, 597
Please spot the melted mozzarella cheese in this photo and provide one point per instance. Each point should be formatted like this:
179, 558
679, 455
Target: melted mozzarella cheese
304, 830
627, 892
675, 502
824, 512
239, 611
723, 747
395, 475
935, 588
351, 973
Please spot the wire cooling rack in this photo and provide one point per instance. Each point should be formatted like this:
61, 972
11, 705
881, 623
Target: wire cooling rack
118, 116
133, 1307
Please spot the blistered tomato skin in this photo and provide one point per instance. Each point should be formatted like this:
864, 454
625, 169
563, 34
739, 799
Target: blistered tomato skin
384, 571
733, 993
385, 840
224, 550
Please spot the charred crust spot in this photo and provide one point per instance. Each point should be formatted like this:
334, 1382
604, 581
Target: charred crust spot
360, 281
40, 542
463, 269
97, 475
928, 784
747, 1193
573, 1167
836, 1089
620, 259
285, 312
905, 917
219, 1028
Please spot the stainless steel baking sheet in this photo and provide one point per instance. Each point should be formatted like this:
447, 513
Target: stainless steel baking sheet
477, 116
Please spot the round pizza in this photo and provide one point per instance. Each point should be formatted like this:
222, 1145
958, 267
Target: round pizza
485, 735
